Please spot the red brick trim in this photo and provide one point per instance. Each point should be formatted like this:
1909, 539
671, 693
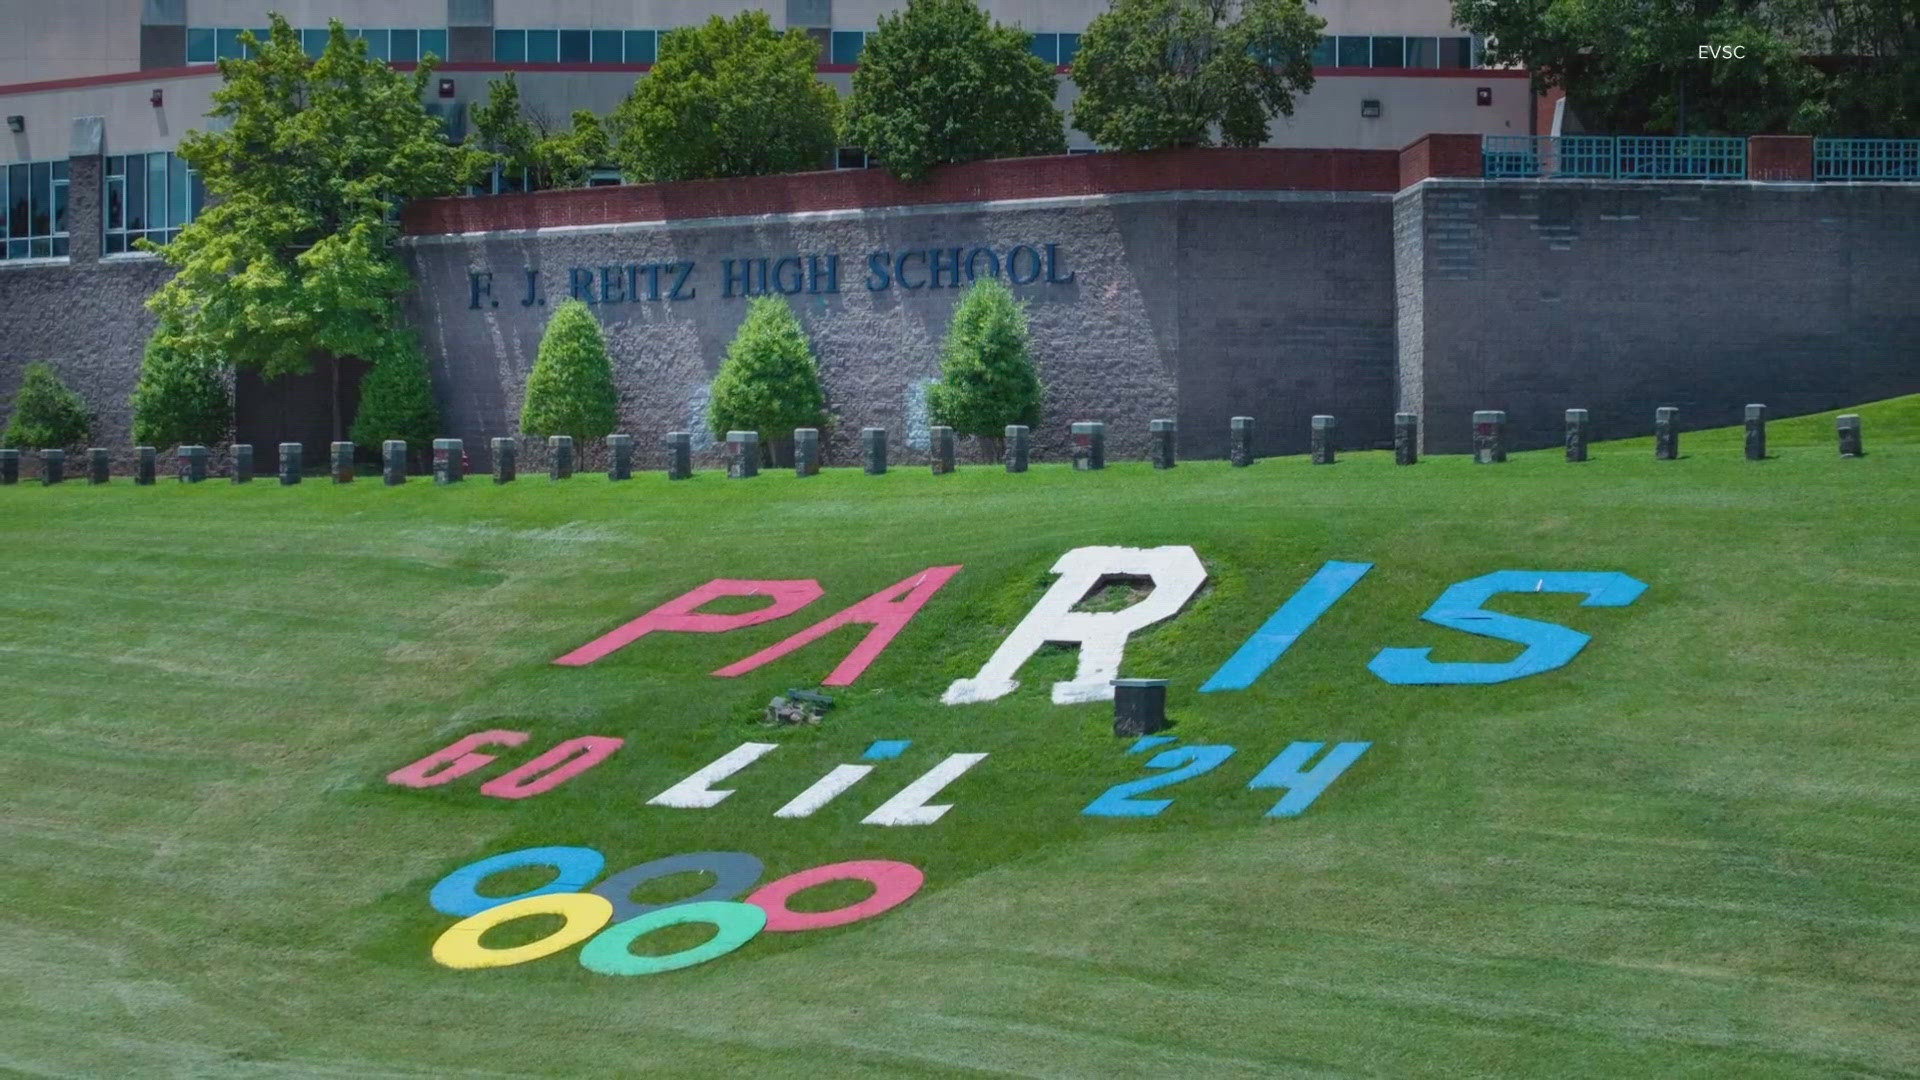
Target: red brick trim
1440, 155
1780, 157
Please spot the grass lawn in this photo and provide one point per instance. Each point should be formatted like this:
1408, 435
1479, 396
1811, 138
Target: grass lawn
1692, 851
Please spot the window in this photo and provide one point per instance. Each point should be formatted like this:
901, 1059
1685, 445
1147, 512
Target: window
148, 195
1325, 53
1389, 52
1069, 47
313, 43
642, 46
509, 46
847, 45
33, 210
1046, 47
850, 157
433, 42
1423, 52
576, 46
606, 47
1356, 51
200, 45
543, 46
1456, 52
226, 44
401, 46
376, 42
404, 46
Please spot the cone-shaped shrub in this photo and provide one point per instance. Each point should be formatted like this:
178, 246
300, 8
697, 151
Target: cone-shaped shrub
181, 399
769, 382
46, 415
987, 379
571, 390
396, 399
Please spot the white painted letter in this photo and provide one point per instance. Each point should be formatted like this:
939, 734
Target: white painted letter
693, 792
1101, 635
823, 790
910, 807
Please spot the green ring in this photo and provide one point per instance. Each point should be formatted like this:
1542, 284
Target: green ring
607, 952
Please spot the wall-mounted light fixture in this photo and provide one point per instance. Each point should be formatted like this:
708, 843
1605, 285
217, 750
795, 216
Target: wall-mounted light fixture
1370, 108
154, 99
16, 124
1483, 95
446, 87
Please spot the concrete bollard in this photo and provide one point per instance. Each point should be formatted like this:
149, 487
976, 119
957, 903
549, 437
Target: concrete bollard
340, 462
53, 466
99, 464
1161, 435
9, 467
941, 443
1240, 441
873, 450
1848, 428
1578, 429
1089, 445
449, 461
679, 447
240, 459
743, 455
1139, 707
1406, 438
290, 463
393, 461
1322, 444
193, 464
1756, 433
619, 457
1019, 448
504, 466
1489, 437
1666, 433
559, 457
143, 465
806, 451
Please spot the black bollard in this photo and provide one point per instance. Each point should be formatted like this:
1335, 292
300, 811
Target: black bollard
1019, 448
9, 467
504, 452
1323, 442
1139, 707
560, 457
941, 439
1756, 433
1161, 435
806, 451
1406, 438
393, 461
193, 464
240, 458
679, 447
743, 455
290, 453
53, 466
143, 465
1089, 445
340, 462
1240, 441
1666, 433
1489, 437
1848, 427
449, 461
1578, 429
619, 457
873, 450
99, 464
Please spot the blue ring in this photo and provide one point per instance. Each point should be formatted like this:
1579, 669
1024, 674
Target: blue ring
458, 892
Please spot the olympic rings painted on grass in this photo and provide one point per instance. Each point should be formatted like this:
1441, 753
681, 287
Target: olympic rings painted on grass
738, 924
459, 946
735, 871
456, 894
589, 913
893, 883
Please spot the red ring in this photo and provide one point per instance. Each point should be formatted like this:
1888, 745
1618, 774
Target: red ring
893, 883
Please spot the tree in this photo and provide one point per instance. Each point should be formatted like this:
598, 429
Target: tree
292, 260
1163, 73
46, 415
527, 149
1868, 55
571, 391
181, 399
1632, 66
941, 83
728, 98
396, 399
987, 379
769, 382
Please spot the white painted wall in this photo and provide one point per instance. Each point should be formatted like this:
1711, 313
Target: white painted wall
132, 124
301, 13
65, 38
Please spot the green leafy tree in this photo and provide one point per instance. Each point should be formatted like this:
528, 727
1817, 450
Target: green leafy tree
46, 415
1630, 66
396, 399
987, 380
292, 261
566, 159
941, 83
523, 145
181, 399
571, 391
769, 382
727, 98
501, 130
1164, 73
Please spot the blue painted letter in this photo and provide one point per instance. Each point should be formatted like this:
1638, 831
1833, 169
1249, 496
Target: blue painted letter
1548, 645
1285, 626
1304, 787
1114, 801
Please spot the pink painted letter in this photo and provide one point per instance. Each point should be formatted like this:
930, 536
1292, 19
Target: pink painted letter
681, 614
455, 761
553, 768
888, 613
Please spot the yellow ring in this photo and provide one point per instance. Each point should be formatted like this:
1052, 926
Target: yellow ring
459, 946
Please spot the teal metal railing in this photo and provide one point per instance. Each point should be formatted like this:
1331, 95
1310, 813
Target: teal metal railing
1866, 159
1614, 157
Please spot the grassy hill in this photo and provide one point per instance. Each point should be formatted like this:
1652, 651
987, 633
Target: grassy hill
1690, 851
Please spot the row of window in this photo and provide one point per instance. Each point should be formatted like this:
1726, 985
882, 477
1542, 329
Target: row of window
1395, 51
1055, 49
33, 210
405, 45
149, 195
576, 46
